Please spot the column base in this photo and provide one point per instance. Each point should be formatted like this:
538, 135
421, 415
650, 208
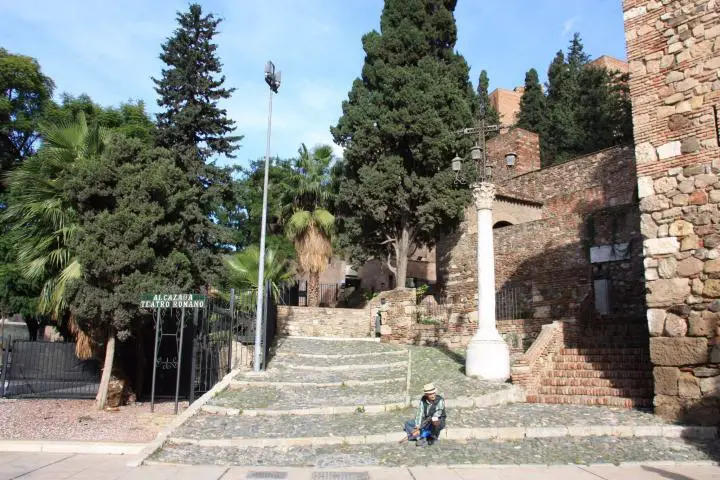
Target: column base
488, 357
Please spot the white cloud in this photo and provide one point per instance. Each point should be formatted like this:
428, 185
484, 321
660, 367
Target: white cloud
569, 24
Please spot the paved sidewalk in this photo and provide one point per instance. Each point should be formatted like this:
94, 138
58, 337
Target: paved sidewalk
47, 466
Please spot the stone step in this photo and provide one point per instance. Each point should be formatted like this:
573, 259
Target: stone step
570, 419
611, 401
603, 351
255, 397
601, 366
646, 383
332, 346
607, 449
603, 358
286, 376
610, 374
379, 360
595, 391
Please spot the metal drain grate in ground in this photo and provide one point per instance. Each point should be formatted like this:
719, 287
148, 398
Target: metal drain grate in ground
341, 476
269, 475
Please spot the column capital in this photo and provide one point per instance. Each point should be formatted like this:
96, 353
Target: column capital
484, 194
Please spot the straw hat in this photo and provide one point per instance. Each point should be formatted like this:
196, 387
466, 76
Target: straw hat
429, 388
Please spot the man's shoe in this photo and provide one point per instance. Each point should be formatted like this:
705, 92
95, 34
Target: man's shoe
430, 441
421, 442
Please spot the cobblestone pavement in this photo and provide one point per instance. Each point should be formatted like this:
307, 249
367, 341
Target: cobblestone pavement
277, 374
555, 451
332, 347
514, 415
446, 370
287, 397
365, 360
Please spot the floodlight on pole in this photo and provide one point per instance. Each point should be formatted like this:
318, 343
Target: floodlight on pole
272, 78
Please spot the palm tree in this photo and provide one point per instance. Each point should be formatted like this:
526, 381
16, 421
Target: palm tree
242, 269
311, 225
41, 219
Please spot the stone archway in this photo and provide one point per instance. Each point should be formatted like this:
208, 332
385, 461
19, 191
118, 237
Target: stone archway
502, 224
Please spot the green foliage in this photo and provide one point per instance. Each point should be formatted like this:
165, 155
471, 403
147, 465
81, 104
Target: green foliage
421, 291
492, 117
131, 201
588, 108
25, 93
398, 130
532, 114
42, 221
196, 129
243, 268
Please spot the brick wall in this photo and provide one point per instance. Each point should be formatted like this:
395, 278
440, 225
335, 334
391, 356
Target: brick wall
523, 143
324, 322
587, 202
611, 64
507, 104
674, 55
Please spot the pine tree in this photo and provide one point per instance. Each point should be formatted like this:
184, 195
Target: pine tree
492, 117
533, 113
398, 130
196, 129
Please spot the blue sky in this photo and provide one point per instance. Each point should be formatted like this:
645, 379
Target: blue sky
109, 50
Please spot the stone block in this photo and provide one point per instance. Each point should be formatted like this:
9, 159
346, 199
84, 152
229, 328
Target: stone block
688, 386
715, 196
674, 76
645, 187
712, 266
651, 274
678, 351
712, 288
666, 380
645, 153
689, 267
697, 286
698, 197
706, 179
693, 170
665, 184
680, 228
702, 325
709, 385
687, 186
691, 242
711, 241
654, 203
666, 292
656, 321
667, 267
675, 326
660, 246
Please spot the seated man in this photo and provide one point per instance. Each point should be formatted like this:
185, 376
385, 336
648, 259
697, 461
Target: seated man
429, 420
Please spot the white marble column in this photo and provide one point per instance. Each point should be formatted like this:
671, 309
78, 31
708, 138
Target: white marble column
488, 356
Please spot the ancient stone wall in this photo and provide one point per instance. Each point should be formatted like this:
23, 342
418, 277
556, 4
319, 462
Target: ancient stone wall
324, 322
674, 54
548, 259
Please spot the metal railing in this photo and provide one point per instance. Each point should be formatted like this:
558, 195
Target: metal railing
33, 369
512, 303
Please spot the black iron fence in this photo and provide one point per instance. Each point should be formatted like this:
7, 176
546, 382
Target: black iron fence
33, 369
296, 294
513, 303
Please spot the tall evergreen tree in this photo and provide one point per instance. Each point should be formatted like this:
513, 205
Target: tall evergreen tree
532, 114
398, 130
492, 117
196, 129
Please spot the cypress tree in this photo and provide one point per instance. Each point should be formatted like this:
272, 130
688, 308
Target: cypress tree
532, 105
398, 129
492, 117
197, 130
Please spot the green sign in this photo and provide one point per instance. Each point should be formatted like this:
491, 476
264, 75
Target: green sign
172, 300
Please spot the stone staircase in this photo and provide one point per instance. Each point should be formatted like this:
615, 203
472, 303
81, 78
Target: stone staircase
336, 403
608, 364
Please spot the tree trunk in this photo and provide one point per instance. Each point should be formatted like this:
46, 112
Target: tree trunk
102, 394
313, 293
402, 250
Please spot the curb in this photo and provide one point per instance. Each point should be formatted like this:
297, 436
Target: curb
237, 384
513, 394
483, 433
182, 418
368, 366
82, 447
339, 355
335, 339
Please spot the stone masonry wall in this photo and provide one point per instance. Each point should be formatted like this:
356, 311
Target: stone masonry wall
548, 258
674, 54
323, 322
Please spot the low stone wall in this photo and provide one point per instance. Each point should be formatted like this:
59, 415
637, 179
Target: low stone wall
519, 334
324, 322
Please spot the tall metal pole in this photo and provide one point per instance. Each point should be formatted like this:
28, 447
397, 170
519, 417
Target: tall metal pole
261, 267
157, 345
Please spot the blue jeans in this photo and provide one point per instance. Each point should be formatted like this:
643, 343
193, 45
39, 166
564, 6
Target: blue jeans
432, 431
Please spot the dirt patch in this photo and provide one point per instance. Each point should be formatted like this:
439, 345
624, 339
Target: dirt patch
79, 420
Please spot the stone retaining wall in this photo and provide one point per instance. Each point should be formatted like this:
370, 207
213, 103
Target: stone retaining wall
324, 322
674, 55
